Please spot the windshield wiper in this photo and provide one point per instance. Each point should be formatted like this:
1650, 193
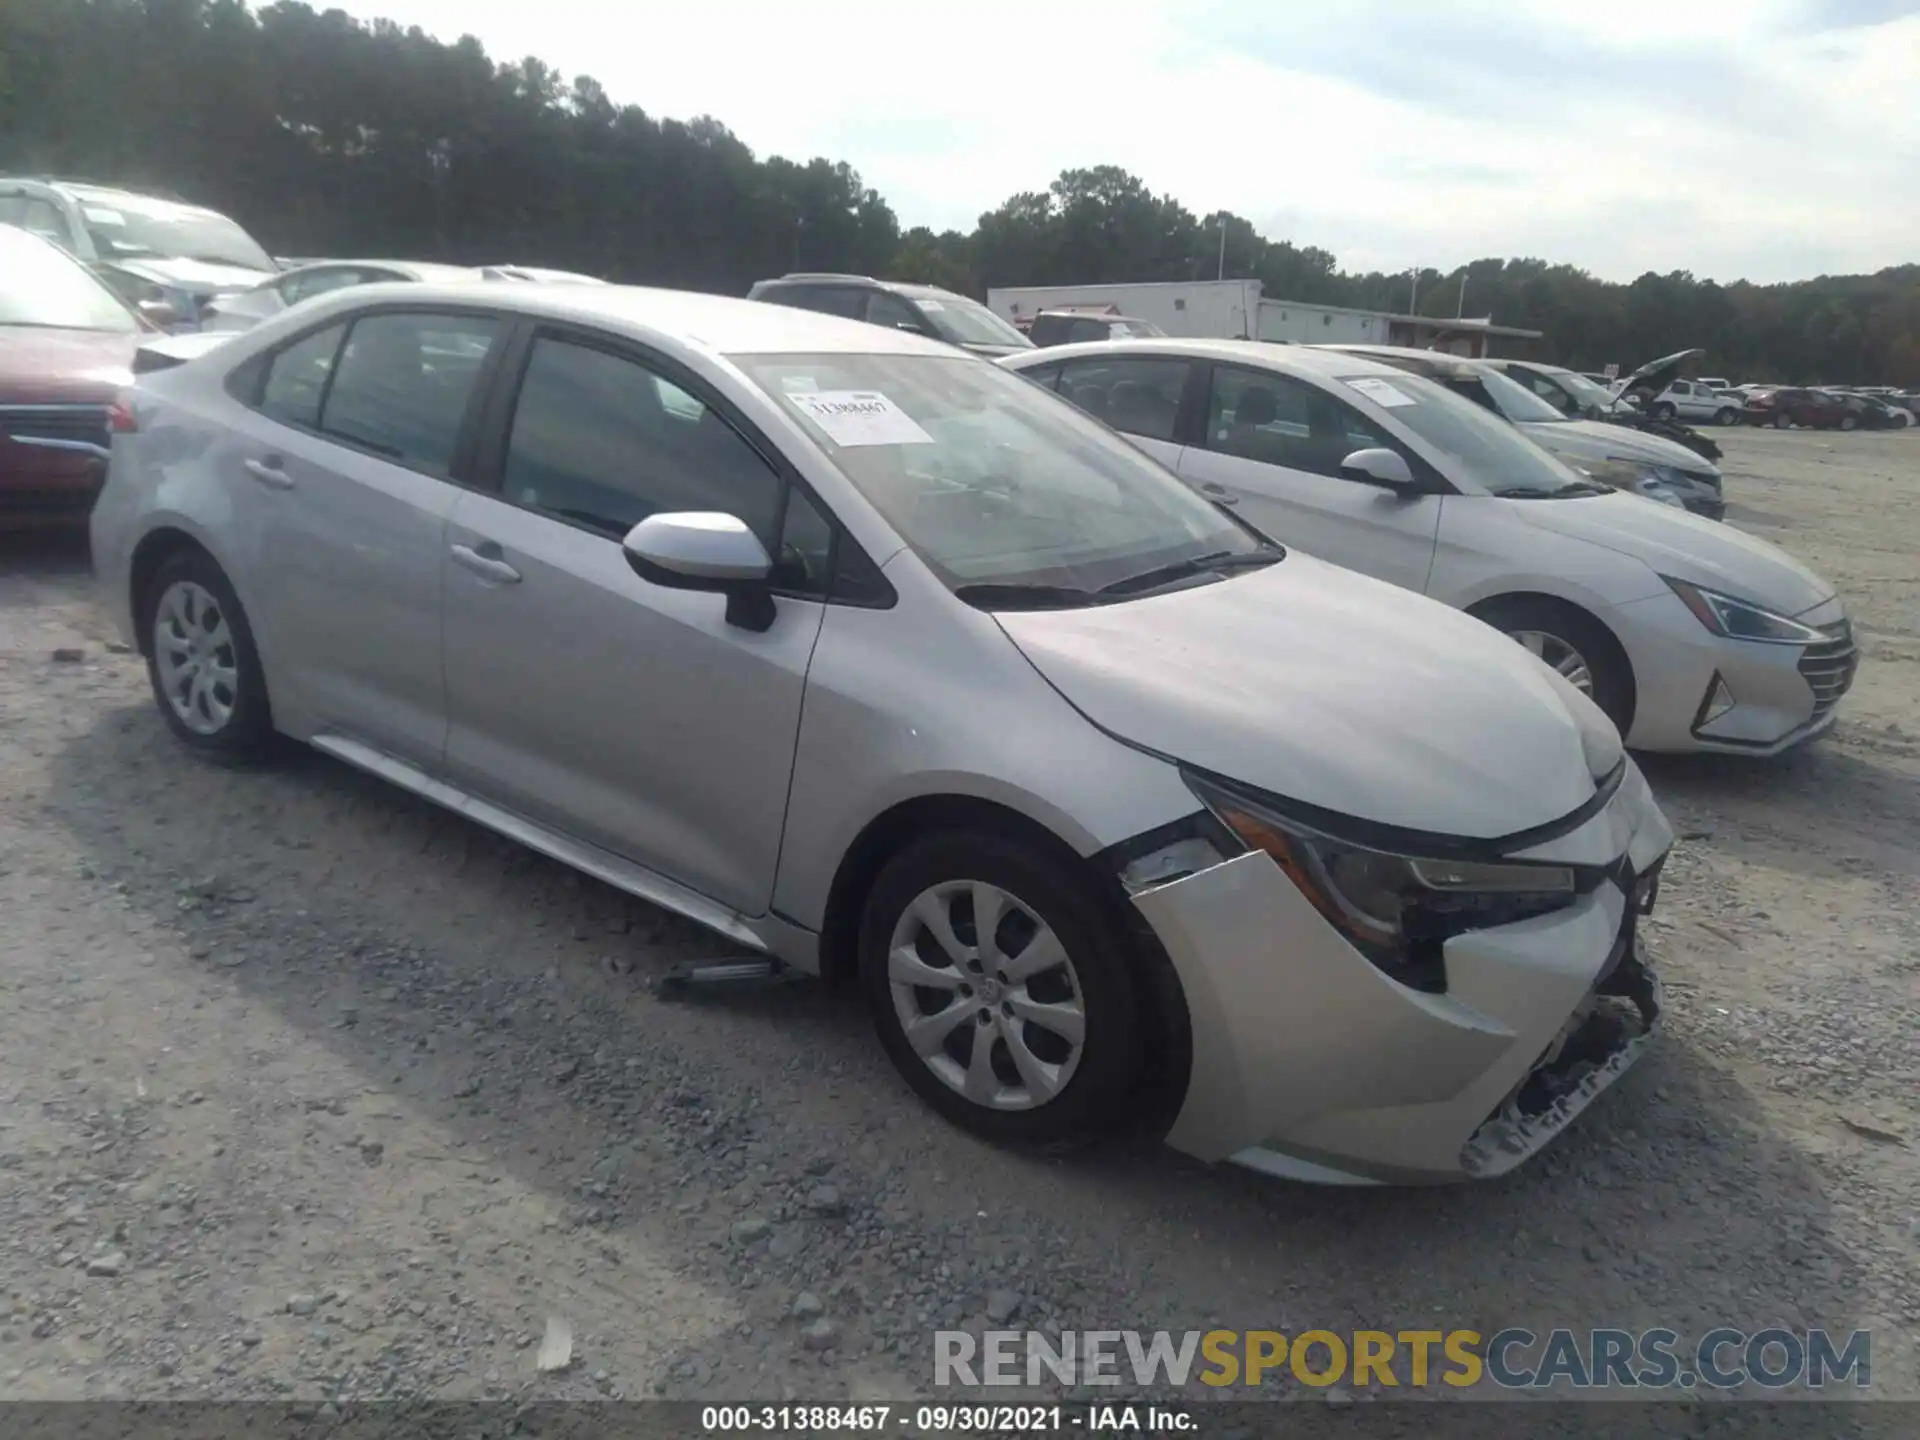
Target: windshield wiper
1219, 562
1539, 492
1003, 596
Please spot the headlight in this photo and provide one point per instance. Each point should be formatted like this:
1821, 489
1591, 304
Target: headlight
1397, 910
1741, 619
1634, 476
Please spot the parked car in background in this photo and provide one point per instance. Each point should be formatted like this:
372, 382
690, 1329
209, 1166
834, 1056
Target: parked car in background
1877, 412
1067, 327
1616, 455
1792, 405
149, 250
539, 274
66, 349
1715, 383
1269, 829
1695, 400
1689, 635
246, 308
914, 309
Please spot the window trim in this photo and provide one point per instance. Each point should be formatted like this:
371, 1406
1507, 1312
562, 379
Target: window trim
493, 431
247, 381
1432, 482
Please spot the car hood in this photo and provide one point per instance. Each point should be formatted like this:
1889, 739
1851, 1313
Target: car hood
63, 367
195, 277
1335, 690
1687, 547
997, 352
1656, 375
1599, 439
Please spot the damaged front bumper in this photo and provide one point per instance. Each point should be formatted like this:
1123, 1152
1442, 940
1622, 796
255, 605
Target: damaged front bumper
1309, 1063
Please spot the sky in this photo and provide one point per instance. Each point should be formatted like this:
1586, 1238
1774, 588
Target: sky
1759, 139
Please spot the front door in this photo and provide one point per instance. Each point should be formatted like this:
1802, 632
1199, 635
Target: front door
630, 716
1274, 444
339, 476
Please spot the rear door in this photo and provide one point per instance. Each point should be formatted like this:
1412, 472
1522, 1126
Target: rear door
1274, 444
633, 717
343, 472
1138, 395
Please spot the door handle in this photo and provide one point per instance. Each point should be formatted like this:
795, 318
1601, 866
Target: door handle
269, 473
1219, 494
484, 560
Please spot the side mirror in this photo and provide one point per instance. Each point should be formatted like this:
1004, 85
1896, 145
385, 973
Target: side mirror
700, 550
160, 313
1379, 466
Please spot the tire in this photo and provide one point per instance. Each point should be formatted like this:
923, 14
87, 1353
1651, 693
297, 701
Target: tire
1849, 421
940, 874
1727, 417
1609, 676
1665, 412
1782, 420
202, 663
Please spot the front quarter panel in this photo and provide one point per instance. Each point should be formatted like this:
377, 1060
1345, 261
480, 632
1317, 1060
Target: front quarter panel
1487, 548
930, 698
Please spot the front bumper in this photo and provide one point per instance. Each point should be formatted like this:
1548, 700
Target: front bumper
1308, 1062
1781, 695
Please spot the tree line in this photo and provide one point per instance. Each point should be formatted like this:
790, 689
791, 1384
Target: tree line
324, 135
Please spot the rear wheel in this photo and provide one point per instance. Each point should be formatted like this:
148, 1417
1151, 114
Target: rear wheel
1664, 411
1782, 420
1575, 644
1728, 416
1849, 421
1002, 989
201, 660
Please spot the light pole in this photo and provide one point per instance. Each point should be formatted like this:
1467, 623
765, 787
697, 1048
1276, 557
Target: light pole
1413, 300
1461, 309
1223, 248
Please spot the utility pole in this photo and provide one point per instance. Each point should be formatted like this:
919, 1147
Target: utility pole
799, 224
1223, 248
1413, 301
1461, 308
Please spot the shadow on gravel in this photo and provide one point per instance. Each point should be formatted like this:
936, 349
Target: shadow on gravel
488, 988
1820, 811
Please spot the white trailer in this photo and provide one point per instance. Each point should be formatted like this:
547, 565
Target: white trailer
1286, 320
1200, 309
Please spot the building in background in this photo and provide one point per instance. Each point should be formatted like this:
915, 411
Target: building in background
1236, 310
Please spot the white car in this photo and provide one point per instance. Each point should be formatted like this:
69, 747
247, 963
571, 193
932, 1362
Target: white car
244, 309
1690, 634
1697, 400
884, 664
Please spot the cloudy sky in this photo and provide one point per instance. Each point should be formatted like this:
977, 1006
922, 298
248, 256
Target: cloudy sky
1770, 139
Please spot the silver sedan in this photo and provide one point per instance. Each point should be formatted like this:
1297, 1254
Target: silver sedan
885, 664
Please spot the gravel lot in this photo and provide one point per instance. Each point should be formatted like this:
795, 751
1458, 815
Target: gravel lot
308, 1089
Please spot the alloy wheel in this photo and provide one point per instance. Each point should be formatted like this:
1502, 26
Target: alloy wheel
986, 995
1563, 657
194, 656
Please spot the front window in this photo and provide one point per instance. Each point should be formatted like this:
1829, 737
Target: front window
47, 288
1514, 400
1480, 448
963, 322
992, 481
130, 226
1590, 395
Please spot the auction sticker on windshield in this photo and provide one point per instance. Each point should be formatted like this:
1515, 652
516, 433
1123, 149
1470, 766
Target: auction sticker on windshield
1380, 392
859, 417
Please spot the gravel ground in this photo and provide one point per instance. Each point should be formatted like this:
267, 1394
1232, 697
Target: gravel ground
310, 1090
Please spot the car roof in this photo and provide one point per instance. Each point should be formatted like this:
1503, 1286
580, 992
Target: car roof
720, 324
1291, 359
914, 289
134, 200
430, 271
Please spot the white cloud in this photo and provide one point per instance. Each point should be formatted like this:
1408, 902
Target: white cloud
1729, 140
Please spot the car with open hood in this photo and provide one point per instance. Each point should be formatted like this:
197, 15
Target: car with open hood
153, 252
1688, 634
66, 349
1627, 458
885, 664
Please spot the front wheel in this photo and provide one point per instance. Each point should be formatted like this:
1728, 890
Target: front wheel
1728, 417
1849, 422
1002, 989
1664, 412
1575, 644
1782, 420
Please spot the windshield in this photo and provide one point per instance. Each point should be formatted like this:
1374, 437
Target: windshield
1584, 390
1514, 400
1481, 450
45, 287
992, 480
132, 225
964, 322
1135, 330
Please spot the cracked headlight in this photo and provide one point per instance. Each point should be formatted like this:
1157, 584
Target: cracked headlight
1397, 910
1741, 619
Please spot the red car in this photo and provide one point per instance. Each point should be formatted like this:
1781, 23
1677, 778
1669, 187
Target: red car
1791, 406
66, 349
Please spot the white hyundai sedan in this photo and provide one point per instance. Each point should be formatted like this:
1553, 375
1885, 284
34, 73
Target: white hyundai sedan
1690, 635
879, 661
